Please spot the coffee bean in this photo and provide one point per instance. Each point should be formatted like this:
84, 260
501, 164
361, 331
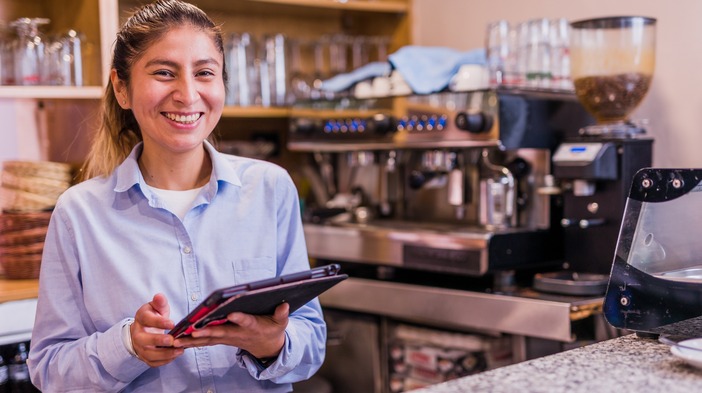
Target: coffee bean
611, 98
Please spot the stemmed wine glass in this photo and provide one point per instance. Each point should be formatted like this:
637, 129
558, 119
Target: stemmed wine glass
29, 51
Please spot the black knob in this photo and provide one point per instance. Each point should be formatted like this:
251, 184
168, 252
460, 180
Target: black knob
381, 124
519, 167
475, 123
417, 179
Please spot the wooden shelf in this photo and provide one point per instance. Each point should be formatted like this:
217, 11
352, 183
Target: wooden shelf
333, 113
18, 289
350, 5
51, 92
284, 112
255, 112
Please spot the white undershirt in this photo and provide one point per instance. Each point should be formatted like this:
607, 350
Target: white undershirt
178, 202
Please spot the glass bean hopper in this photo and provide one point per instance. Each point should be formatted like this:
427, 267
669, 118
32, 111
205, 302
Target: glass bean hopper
612, 63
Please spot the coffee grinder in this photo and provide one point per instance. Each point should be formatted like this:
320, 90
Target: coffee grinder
612, 67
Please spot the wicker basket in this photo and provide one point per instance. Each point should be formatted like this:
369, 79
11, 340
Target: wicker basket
26, 236
22, 243
33, 185
21, 201
21, 267
44, 169
50, 188
22, 249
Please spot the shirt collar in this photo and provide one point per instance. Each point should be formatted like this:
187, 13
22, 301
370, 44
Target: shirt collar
128, 173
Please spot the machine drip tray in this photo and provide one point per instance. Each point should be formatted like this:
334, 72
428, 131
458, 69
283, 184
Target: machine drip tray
571, 283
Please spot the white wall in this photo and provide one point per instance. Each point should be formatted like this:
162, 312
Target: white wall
21, 136
673, 106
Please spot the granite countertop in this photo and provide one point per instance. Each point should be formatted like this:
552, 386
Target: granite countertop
625, 364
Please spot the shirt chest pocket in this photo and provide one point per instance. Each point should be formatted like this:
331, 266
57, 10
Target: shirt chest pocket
253, 269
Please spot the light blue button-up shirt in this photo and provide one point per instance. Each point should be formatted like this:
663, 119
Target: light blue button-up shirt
111, 245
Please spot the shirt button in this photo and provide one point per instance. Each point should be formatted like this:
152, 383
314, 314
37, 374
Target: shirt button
193, 297
187, 250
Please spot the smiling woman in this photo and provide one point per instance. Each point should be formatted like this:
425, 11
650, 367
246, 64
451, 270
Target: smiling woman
175, 92
181, 30
160, 220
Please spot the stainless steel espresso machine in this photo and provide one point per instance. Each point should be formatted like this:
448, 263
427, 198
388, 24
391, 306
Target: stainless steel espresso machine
426, 186
441, 208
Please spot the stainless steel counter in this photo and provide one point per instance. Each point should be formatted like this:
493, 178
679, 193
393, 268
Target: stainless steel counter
524, 313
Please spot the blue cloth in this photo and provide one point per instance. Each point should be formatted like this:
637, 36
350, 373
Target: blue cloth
342, 82
111, 246
428, 69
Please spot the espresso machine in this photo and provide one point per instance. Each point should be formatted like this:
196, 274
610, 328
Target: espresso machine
427, 184
441, 209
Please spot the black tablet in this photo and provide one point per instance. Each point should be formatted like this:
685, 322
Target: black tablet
260, 297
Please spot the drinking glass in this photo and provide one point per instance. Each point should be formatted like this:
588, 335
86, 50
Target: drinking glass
63, 60
560, 53
320, 70
539, 53
382, 44
50, 66
338, 59
359, 51
497, 50
522, 38
72, 58
511, 75
300, 84
7, 61
274, 70
242, 70
29, 51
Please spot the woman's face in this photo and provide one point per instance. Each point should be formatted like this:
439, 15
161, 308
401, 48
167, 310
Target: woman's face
176, 91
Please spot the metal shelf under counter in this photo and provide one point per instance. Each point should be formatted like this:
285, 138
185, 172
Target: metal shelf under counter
525, 313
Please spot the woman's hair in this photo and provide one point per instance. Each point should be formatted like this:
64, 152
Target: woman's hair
119, 131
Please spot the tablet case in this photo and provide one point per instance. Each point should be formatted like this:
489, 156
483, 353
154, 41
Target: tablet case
260, 297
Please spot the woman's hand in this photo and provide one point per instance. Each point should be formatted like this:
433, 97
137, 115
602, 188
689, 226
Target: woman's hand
151, 342
261, 336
